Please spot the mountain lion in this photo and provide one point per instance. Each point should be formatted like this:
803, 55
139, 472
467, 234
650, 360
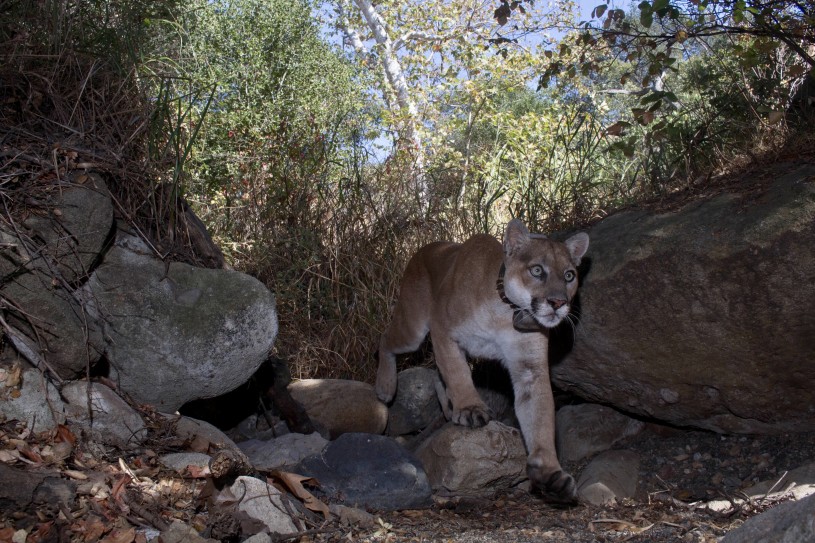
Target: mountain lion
488, 301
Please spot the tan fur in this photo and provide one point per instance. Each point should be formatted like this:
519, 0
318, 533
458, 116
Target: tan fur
449, 290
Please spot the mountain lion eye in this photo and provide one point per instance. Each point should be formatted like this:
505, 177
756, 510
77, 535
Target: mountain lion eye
570, 276
536, 271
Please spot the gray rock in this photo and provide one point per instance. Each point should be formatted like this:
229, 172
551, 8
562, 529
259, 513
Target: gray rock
372, 471
189, 428
789, 522
79, 223
179, 333
181, 461
178, 532
34, 490
585, 429
259, 538
68, 336
473, 461
257, 427
284, 452
416, 403
799, 482
111, 421
43, 259
260, 501
686, 316
341, 406
610, 476
39, 404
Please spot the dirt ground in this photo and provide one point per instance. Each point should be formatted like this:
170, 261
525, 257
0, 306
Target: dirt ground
680, 471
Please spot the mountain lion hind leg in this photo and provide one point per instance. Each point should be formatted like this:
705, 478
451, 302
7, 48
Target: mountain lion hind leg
409, 326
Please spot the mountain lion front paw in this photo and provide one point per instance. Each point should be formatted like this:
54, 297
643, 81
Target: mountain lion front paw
385, 389
557, 487
474, 416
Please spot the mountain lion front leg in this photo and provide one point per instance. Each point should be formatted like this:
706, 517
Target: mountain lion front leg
535, 411
468, 407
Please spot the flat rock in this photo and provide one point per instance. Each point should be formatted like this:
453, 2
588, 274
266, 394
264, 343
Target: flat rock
585, 429
111, 420
473, 461
284, 452
176, 332
789, 522
416, 403
372, 471
341, 406
259, 501
681, 311
609, 477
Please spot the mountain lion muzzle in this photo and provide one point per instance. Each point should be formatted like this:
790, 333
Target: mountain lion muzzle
480, 299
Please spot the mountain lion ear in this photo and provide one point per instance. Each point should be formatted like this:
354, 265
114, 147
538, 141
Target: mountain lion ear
578, 244
516, 236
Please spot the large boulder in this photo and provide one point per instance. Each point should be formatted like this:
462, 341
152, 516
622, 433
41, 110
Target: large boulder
703, 316
78, 224
42, 262
790, 522
178, 333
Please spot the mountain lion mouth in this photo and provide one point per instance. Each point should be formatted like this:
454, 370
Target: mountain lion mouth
547, 316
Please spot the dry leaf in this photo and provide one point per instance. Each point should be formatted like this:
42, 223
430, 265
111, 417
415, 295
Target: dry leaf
294, 483
13, 376
198, 472
9, 457
73, 474
118, 535
64, 434
89, 529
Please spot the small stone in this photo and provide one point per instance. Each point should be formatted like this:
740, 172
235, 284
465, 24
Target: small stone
341, 406
669, 396
474, 461
609, 477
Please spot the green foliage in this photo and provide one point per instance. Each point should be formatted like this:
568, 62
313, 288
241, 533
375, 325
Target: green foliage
266, 129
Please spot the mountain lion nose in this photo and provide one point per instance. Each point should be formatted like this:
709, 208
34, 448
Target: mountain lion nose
556, 303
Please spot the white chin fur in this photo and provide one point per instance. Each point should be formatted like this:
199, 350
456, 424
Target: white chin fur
552, 318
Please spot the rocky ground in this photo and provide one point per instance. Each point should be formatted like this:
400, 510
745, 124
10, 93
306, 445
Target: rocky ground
132, 497
680, 472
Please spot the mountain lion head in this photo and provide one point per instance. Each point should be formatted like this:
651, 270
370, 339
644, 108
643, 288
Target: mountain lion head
540, 275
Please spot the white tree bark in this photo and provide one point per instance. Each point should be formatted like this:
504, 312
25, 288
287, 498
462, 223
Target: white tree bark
409, 136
